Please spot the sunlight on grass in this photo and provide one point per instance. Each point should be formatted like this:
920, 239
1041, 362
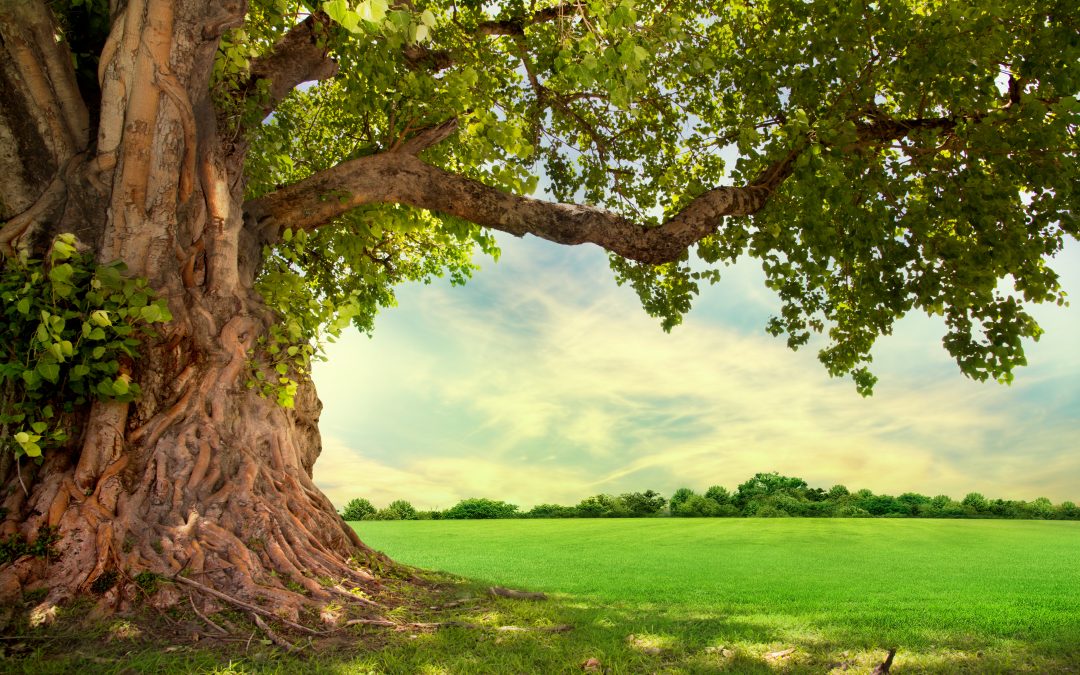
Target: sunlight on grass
983, 596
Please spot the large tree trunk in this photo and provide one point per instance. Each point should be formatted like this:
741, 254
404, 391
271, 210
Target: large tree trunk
200, 477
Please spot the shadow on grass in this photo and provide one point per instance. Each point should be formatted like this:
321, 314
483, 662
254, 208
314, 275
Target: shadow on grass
511, 636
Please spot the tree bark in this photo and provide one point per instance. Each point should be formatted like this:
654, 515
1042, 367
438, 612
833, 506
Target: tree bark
201, 477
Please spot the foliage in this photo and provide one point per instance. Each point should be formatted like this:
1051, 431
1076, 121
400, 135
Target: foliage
478, 509
628, 106
357, 509
766, 495
642, 504
70, 332
696, 506
15, 545
396, 510
552, 511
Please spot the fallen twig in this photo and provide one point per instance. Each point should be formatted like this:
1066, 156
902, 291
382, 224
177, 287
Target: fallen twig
247, 606
274, 637
205, 618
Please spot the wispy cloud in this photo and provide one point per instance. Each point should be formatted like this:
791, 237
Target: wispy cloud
545, 382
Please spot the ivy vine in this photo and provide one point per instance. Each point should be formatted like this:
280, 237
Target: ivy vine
69, 324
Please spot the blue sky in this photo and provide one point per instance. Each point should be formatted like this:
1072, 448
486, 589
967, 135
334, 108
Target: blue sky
542, 381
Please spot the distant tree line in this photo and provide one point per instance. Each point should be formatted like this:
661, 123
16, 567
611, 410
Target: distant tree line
766, 495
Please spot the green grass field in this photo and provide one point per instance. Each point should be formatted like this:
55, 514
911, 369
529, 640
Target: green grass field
652, 596
980, 595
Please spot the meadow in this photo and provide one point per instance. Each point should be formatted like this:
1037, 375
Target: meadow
979, 596
659, 595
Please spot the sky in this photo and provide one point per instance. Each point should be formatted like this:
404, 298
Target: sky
542, 381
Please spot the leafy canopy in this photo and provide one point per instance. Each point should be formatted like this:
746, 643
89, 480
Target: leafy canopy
933, 149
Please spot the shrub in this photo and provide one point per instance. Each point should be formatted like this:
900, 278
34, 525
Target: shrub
719, 494
770, 511
480, 509
552, 511
641, 504
697, 507
397, 510
849, 511
357, 509
679, 498
597, 506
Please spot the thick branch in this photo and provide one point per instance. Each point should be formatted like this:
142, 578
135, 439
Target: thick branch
419, 56
402, 178
296, 58
517, 26
405, 179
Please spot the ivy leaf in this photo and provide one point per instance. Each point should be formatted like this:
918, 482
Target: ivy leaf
49, 371
336, 9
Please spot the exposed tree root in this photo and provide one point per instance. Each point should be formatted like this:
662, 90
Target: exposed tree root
501, 592
274, 637
883, 667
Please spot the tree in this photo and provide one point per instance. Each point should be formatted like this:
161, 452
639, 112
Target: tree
678, 498
398, 510
357, 508
768, 484
893, 158
719, 494
974, 503
642, 504
598, 506
552, 511
481, 508
696, 506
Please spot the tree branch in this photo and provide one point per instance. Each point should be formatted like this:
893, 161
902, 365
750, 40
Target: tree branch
296, 58
419, 56
401, 178
517, 26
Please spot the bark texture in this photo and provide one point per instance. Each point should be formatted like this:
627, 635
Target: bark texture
200, 477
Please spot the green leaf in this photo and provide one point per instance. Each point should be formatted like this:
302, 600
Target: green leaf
49, 371
336, 9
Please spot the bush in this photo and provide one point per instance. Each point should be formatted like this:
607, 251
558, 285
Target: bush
552, 511
679, 498
641, 504
696, 507
852, 512
480, 509
357, 509
398, 510
597, 506
719, 494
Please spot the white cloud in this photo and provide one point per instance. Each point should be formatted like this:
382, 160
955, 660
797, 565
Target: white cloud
558, 386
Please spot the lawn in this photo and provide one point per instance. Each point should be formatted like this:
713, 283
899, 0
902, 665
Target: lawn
648, 596
980, 595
